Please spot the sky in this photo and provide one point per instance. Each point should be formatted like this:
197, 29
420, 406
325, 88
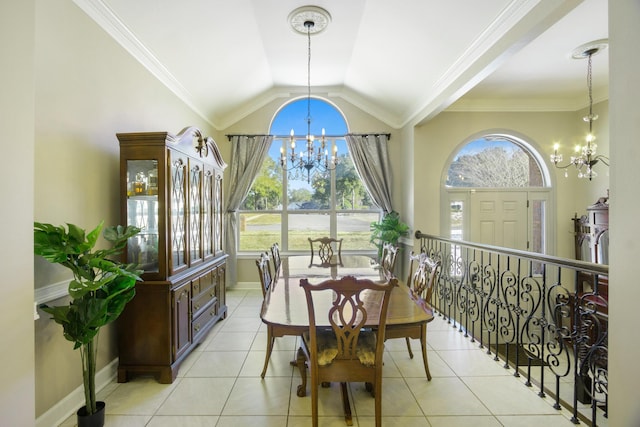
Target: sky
294, 116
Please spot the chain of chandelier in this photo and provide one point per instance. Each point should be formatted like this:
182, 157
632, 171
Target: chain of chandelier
314, 157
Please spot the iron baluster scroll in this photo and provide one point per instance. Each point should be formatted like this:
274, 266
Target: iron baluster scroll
525, 309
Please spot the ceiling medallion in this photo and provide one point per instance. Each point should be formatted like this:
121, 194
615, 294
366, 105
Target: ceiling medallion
590, 49
317, 15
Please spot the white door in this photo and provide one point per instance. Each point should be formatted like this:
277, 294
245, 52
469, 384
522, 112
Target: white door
499, 218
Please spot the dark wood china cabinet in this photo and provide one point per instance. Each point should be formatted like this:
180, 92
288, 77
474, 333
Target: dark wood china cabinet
592, 245
171, 187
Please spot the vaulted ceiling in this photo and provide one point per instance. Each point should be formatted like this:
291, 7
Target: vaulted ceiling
402, 61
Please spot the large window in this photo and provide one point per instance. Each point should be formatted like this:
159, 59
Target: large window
288, 207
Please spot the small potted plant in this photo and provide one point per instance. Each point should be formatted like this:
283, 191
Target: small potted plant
100, 289
388, 230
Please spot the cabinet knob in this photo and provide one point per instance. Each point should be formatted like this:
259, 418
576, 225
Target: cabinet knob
197, 307
196, 328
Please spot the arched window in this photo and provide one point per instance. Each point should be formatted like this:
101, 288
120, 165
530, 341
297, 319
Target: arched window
288, 207
497, 191
494, 162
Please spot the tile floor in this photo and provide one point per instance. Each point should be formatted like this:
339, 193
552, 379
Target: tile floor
219, 385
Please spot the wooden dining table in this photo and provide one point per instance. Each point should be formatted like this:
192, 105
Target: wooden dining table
285, 306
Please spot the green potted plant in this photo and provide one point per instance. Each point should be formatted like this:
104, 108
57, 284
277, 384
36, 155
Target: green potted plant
388, 230
100, 289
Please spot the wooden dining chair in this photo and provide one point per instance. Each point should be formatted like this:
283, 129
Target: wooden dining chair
275, 256
348, 350
264, 271
266, 280
423, 274
326, 249
388, 258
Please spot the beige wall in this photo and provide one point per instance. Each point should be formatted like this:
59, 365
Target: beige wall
16, 186
624, 347
439, 139
87, 89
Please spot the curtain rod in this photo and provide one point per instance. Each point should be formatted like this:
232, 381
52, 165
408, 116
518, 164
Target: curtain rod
229, 136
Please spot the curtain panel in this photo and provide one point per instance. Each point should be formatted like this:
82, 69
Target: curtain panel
371, 159
248, 152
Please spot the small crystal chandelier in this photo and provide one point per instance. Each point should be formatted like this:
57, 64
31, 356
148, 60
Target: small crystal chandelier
315, 157
585, 156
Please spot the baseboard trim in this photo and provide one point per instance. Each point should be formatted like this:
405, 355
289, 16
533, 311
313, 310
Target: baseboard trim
246, 285
68, 406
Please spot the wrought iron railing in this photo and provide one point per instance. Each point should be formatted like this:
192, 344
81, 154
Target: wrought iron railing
546, 317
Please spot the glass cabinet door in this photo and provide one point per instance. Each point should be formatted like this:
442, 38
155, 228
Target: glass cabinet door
208, 184
178, 177
142, 212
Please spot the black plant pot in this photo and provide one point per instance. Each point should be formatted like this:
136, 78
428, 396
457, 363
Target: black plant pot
94, 420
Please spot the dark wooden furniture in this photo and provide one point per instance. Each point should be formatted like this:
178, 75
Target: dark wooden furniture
284, 308
591, 232
264, 272
171, 187
277, 259
423, 273
388, 258
325, 249
348, 350
266, 279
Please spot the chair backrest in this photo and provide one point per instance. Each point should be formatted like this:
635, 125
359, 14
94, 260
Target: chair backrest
275, 256
264, 271
388, 258
348, 300
423, 274
326, 248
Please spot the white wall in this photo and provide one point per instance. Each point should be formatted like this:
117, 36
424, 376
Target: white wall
16, 187
624, 296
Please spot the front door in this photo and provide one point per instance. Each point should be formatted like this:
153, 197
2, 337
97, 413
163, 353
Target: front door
499, 218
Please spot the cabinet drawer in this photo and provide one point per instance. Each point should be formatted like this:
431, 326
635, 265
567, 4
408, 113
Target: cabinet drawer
202, 301
201, 284
204, 319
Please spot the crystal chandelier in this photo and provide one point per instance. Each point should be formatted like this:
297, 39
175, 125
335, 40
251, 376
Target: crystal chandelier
315, 156
585, 157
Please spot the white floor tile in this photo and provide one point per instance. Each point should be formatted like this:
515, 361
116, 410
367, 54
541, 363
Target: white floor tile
198, 396
255, 396
217, 364
446, 396
219, 385
182, 421
508, 396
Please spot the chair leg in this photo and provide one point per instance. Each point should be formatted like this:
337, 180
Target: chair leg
314, 399
270, 341
346, 405
423, 342
409, 347
378, 401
